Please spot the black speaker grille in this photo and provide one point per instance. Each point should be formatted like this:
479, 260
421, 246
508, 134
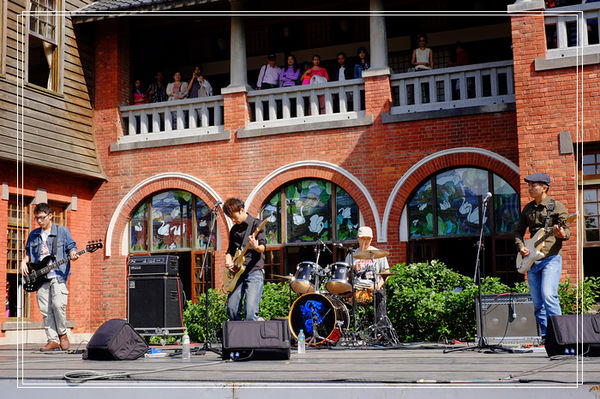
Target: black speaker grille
155, 302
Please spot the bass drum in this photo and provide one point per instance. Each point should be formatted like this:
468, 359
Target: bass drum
331, 315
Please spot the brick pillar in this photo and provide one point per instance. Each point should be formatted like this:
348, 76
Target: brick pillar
378, 94
546, 105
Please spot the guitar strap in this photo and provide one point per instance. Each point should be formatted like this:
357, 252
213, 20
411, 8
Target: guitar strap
549, 210
55, 243
248, 232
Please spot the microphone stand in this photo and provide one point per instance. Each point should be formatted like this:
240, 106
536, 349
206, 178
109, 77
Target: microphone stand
482, 342
207, 344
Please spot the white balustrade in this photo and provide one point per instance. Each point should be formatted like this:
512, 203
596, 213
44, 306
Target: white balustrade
455, 87
572, 30
285, 106
172, 119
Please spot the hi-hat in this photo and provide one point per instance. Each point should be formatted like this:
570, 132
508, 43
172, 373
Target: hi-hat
283, 277
371, 254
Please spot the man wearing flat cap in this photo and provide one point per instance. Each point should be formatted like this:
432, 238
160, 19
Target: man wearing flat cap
544, 275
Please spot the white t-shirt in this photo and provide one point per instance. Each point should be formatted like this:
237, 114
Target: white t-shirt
368, 269
45, 251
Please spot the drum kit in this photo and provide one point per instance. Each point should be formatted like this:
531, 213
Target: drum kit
325, 316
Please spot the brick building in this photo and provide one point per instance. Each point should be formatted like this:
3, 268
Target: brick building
409, 153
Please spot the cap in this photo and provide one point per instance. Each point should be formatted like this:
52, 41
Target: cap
365, 231
538, 177
271, 56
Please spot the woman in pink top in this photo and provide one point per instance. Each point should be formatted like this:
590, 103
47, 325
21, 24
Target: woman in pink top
316, 70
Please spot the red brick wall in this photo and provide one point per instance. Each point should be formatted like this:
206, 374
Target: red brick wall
547, 104
59, 188
377, 155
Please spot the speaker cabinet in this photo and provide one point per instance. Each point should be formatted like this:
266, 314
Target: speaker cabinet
155, 302
508, 318
579, 333
261, 340
115, 340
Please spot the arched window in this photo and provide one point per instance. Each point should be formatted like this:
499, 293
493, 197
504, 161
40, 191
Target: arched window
176, 222
301, 213
445, 211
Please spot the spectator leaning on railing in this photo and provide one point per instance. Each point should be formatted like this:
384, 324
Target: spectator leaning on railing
268, 77
289, 74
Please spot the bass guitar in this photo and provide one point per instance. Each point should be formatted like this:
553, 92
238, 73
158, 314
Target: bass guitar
230, 278
37, 271
535, 245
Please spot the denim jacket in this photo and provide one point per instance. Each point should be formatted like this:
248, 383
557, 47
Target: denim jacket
64, 246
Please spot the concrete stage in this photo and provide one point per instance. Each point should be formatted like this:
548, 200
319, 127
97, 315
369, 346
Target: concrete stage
410, 371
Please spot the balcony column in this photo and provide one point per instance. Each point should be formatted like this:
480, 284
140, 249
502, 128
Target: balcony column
379, 49
237, 48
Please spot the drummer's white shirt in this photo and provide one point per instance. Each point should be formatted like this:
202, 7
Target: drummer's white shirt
375, 266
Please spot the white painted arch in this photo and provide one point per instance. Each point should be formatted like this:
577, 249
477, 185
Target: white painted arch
326, 165
439, 154
138, 187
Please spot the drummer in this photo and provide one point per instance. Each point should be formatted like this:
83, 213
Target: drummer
367, 269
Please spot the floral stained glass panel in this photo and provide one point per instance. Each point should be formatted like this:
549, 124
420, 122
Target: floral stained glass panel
171, 219
346, 215
203, 220
273, 211
459, 201
308, 211
139, 229
420, 210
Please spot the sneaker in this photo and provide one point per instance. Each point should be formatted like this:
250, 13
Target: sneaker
64, 342
50, 346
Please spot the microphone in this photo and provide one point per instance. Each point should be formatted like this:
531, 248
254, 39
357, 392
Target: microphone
325, 246
338, 244
488, 195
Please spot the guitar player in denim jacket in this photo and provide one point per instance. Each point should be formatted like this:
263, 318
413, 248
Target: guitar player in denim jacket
51, 239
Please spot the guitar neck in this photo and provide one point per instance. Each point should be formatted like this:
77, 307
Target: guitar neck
61, 262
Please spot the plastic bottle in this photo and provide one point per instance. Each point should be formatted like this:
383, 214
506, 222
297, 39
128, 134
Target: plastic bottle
185, 346
301, 343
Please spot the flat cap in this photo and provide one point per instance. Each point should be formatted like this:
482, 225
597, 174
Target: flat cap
538, 177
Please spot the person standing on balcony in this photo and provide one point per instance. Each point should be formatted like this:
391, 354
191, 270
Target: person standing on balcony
363, 62
51, 240
268, 77
198, 86
422, 57
544, 275
177, 90
139, 97
343, 71
289, 74
157, 91
315, 74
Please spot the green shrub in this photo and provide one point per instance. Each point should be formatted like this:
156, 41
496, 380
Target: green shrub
195, 320
275, 302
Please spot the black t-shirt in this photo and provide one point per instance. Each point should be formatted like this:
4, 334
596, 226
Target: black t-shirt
252, 260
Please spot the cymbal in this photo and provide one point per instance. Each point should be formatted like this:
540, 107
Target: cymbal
283, 277
371, 254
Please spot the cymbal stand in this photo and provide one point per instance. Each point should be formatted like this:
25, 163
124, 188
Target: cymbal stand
315, 325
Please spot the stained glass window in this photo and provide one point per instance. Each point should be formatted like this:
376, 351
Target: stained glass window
139, 229
450, 204
314, 210
203, 221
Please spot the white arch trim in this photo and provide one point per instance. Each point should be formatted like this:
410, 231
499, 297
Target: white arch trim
326, 165
138, 187
415, 167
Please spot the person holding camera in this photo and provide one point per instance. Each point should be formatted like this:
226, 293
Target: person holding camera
199, 87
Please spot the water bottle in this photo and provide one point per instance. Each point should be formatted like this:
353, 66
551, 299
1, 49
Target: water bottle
185, 347
301, 343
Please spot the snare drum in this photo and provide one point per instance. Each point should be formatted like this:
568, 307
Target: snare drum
304, 279
363, 295
331, 315
339, 283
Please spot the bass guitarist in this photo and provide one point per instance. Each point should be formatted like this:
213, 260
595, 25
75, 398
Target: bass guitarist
250, 283
544, 275
51, 240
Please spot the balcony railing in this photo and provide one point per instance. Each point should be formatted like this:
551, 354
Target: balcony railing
172, 119
564, 36
331, 101
456, 87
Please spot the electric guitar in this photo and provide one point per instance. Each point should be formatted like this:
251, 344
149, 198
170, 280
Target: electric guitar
230, 278
535, 245
37, 275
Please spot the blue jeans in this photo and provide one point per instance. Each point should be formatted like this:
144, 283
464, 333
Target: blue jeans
252, 286
543, 278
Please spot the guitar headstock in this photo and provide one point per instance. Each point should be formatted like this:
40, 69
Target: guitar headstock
93, 245
570, 218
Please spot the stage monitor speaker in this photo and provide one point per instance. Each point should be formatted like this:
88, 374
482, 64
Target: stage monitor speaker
256, 340
155, 302
569, 331
157, 265
115, 340
508, 318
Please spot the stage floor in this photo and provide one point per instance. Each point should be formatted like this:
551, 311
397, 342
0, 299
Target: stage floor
403, 368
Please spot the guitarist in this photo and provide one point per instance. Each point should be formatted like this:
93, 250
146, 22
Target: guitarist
251, 281
544, 275
51, 239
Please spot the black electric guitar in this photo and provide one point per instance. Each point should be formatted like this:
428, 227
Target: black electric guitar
37, 271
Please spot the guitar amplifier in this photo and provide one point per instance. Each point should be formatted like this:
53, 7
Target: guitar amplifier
155, 265
507, 319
